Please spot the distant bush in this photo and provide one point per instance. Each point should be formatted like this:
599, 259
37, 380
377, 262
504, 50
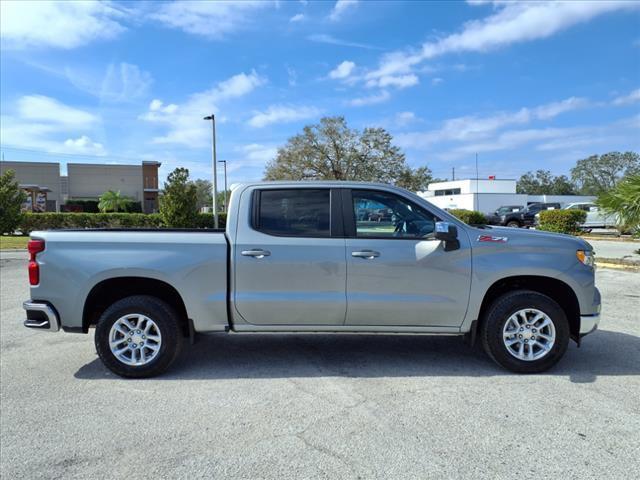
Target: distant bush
562, 221
54, 221
470, 217
205, 220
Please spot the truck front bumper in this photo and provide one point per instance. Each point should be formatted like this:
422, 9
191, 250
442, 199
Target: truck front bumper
41, 316
589, 323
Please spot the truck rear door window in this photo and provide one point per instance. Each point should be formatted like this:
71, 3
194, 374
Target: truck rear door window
300, 212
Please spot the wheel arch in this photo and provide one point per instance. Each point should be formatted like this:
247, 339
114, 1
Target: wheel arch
110, 290
553, 288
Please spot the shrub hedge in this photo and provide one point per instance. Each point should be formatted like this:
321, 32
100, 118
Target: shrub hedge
53, 221
562, 221
470, 217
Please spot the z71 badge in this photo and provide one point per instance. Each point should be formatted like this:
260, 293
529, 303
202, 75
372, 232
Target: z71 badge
491, 238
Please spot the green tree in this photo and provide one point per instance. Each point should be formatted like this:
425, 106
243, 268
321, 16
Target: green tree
623, 201
542, 182
179, 202
600, 173
204, 193
11, 200
111, 201
331, 150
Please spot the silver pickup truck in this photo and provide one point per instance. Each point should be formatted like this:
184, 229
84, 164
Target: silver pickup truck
334, 257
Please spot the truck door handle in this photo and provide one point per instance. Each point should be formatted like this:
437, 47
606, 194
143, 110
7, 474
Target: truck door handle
368, 254
257, 253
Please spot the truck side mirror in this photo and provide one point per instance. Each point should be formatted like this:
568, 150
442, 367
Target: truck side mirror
448, 234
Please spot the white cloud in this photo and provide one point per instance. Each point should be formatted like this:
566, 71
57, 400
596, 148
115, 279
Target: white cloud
553, 109
299, 17
632, 97
513, 22
376, 98
50, 110
120, 82
292, 76
343, 70
212, 20
184, 121
405, 118
331, 40
340, 8
398, 81
254, 154
84, 145
474, 128
27, 24
436, 81
45, 123
282, 114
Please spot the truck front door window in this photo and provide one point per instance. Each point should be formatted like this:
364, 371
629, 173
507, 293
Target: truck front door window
384, 215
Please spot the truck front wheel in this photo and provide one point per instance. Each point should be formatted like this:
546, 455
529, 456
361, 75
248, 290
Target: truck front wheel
525, 331
138, 336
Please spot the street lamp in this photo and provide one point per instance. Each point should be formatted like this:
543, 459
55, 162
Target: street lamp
212, 117
226, 207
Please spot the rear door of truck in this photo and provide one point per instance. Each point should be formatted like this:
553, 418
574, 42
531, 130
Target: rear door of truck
289, 257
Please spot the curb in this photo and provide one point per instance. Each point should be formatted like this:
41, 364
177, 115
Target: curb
618, 264
597, 238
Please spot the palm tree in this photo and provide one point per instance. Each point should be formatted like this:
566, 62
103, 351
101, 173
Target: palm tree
111, 201
624, 201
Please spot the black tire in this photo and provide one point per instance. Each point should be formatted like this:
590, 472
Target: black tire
498, 314
513, 224
166, 321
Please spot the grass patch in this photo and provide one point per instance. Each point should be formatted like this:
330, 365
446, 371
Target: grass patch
11, 242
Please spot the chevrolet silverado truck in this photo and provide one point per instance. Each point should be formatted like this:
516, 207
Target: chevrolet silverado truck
315, 257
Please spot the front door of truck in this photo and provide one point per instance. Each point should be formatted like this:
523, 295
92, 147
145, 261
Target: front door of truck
397, 273
289, 268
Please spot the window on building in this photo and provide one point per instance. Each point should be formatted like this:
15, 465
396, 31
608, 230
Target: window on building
450, 191
293, 213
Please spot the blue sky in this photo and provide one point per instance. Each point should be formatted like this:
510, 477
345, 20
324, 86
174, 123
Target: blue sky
525, 85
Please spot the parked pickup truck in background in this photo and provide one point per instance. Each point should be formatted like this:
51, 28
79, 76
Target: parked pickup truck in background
525, 217
596, 218
308, 257
506, 215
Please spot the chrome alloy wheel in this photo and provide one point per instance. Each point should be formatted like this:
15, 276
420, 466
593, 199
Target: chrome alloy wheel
529, 334
135, 339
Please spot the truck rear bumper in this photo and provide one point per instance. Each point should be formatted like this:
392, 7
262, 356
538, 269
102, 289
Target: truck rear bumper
41, 316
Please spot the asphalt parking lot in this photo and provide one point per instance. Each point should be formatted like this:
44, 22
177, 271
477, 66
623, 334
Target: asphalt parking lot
320, 406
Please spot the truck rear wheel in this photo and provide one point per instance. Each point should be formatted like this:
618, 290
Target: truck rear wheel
525, 332
138, 336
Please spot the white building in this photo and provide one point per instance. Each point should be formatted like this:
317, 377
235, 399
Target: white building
487, 195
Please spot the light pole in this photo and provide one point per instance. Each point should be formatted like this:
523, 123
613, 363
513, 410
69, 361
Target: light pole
225, 184
212, 117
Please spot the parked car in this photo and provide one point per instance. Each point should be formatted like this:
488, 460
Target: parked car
595, 217
296, 258
523, 217
529, 213
506, 216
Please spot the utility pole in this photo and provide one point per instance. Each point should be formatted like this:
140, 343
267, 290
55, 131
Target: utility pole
477, 182
226, 206
212, 117
453, 173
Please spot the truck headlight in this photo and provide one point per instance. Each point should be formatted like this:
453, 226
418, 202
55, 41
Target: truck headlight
586, 257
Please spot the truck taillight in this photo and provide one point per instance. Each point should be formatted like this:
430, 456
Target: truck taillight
34, 247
